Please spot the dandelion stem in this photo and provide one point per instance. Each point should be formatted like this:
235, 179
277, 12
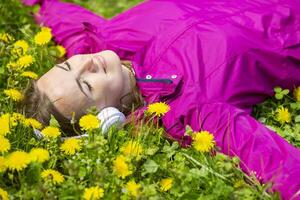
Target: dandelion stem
203, 166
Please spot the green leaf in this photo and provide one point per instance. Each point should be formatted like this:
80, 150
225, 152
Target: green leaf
277, 89
2, 70
203, 172
150, 167
82, 172
188, 130
188, 196
272, 128
170, 150
150, 190
196, 173
262, 119
52, 52
278, 96
151, 150
295, 106
285, 91
93, 110
36, 8
33, 173
227, 166
236, 160
54, 122
297, 118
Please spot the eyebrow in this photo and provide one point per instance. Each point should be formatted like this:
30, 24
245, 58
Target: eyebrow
77, 80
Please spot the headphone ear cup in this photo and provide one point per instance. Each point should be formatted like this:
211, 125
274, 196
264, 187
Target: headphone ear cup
110, 116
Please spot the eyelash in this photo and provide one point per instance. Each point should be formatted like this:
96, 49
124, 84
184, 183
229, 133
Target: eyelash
68, 65
89, 85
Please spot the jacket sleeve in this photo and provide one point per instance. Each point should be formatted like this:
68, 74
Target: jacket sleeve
261, 150
82, 31
74, 27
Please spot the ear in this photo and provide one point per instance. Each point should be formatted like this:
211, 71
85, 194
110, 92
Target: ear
125, 100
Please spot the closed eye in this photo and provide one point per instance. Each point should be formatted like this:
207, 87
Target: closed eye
89, 85
76, 79
66, 63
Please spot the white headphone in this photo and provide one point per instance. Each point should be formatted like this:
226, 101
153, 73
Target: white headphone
108, 117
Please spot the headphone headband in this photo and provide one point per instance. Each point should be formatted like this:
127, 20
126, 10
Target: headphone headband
108, 117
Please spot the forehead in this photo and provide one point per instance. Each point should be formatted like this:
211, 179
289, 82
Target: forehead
61, 88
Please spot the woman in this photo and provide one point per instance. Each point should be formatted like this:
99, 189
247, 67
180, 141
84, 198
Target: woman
211, 61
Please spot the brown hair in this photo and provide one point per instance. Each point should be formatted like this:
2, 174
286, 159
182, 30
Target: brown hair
37, 105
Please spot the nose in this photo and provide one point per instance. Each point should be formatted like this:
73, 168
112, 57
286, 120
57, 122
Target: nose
90, 65
94, 66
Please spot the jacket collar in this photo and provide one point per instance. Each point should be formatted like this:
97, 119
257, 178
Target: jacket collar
155, 82
159, 88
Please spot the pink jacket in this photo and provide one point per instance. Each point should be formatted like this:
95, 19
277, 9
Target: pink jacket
210, 60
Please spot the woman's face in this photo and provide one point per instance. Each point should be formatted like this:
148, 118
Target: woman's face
85, 80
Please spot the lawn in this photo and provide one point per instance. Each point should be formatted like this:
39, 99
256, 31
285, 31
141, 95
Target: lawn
120, 164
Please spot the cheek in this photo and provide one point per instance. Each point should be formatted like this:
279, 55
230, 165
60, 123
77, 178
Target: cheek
109, 90
67, 106
116, 84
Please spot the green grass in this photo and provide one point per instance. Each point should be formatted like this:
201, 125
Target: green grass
107, 9
195, 175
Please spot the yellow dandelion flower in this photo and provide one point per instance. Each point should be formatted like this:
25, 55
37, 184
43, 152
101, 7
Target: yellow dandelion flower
12, 65
51, 132
132, 148
70, 146
39, 155
297, 93
158, 109
3, 194
93, 193
29, 74
14, 119
43, 37
2, 164
53, 175
89, 122
283, 115
4, 145
25, 61
133, 188
5, 37
17, 160
20, 47
18, 117
45, 29
121, 168
11, 120
33, 123
203, 141
61, 50
4, 124
14, 94
166, 184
